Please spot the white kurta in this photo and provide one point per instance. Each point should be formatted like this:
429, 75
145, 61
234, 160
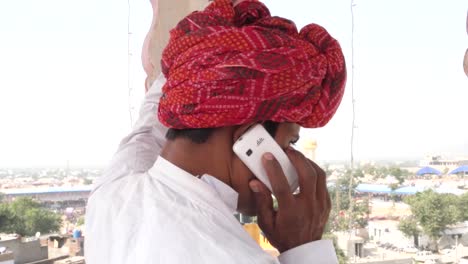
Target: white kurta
144, 209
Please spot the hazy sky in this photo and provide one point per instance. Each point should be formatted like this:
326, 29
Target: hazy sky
64, 94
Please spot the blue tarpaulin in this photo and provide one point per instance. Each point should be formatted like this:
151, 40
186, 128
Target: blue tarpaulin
410, 190
406, 190
373, 188
428, 170
461, 169
29, 191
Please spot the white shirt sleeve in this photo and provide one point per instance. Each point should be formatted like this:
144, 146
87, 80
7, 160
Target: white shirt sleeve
317, 252
143, 145
139, 150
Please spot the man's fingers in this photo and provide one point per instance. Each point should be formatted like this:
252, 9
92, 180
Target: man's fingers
321, 181
322, 192
279, 183
305, 172
264, 204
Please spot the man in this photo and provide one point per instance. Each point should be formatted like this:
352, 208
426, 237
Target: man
227, 68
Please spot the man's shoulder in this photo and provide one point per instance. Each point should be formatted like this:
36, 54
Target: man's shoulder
143, 193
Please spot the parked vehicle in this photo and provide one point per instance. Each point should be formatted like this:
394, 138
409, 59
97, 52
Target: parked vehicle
423, 256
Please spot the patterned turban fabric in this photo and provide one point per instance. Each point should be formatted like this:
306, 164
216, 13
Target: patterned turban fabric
229, 66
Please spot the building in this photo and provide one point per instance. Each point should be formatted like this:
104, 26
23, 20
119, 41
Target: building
71, 260
357, 250
24, 250
51, 194
6, 257
309, 147
442, 164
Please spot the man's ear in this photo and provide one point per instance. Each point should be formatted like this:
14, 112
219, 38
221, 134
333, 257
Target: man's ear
240, 130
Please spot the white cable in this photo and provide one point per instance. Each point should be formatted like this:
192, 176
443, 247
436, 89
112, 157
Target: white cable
351, 180
129, 61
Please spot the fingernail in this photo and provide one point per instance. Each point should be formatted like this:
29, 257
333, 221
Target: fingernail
268, 156
254, 188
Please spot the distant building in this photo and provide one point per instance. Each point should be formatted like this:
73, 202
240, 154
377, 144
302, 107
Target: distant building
71, 260
51, 194
24, 250
358, 251
442, 164
7, 257
309, 147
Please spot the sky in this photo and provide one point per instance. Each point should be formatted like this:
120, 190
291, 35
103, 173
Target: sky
65, 98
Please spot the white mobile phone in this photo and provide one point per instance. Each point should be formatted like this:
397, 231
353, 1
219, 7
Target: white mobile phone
250, 148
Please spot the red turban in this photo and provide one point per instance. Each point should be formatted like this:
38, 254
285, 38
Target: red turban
230, 65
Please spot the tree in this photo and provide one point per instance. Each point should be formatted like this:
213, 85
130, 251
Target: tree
81, 221
393, 196
369, 169
409, 227
26, 217
463, 207
445, 171
87, 181
342, 259
5, 215
434, 212
339, 216
382, 172
398, 173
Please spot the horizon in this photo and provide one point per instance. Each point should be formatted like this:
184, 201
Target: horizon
65, 98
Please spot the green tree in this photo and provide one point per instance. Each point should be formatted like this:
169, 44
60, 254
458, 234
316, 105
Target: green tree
339, 193
81, 221
398, 173
5, 215
369, 169
434, 212
87, 181
26, 217
463, 207
409, 227
342, 259
361, 213
393, 196
382, 172
445, 171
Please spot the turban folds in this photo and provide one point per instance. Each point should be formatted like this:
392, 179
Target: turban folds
230, 65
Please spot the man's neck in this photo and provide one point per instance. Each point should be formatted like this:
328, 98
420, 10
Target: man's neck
198, 159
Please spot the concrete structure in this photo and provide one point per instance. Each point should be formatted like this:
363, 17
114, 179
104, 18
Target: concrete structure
71, 260
358, 250
255, 232
441, 164
463, 260
26, 251
76, 246
52, 194
7, 258
166, 14
309, 147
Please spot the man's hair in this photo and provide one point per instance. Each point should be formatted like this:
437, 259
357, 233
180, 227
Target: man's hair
201, 135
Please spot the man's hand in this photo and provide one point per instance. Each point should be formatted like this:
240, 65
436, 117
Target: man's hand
300, 218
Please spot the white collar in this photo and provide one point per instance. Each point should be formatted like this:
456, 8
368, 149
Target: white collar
206, 188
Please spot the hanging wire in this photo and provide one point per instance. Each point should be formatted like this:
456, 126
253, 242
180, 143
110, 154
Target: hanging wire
353, 126
129, 61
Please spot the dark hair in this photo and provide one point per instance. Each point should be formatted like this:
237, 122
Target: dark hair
201, 135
